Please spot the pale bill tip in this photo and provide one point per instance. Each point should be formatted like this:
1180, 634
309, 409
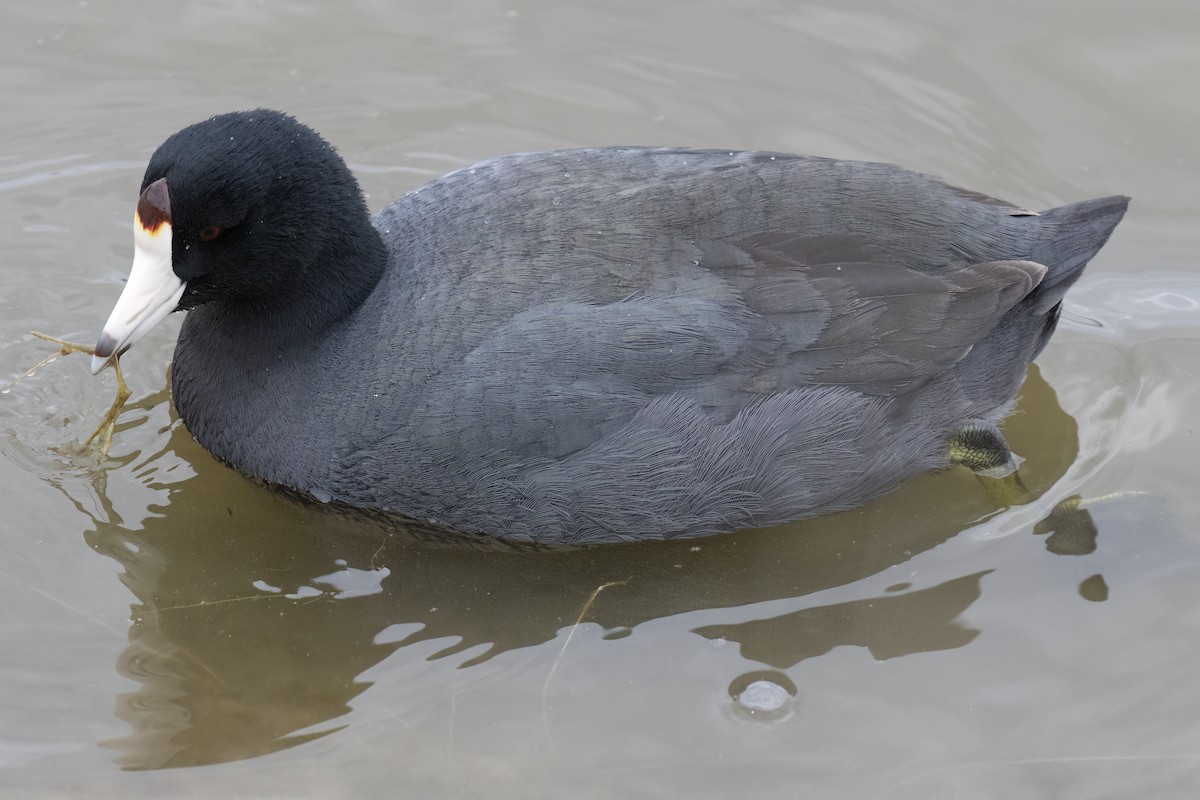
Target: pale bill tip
99, 363
105, 348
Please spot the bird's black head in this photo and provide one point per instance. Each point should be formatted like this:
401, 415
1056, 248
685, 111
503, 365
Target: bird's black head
251, 209
255, 199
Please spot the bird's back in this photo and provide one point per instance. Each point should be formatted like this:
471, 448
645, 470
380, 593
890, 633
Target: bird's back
626, 343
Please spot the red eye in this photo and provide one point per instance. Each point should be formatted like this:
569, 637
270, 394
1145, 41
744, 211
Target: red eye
210, 232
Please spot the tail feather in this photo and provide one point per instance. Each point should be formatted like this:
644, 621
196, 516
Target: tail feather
1071, 236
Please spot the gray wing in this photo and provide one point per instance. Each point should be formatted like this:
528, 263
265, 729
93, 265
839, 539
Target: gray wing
777, 314
719, 277
878, 327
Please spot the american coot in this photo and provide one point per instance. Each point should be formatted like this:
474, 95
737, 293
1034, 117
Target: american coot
590, 345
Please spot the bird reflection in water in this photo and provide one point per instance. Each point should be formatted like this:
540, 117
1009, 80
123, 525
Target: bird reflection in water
256, 614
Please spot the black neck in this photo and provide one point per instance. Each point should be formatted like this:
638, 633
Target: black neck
333, 285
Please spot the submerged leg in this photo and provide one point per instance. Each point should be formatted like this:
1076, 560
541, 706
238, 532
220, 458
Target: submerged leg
1072, 530
105, 429
980, 447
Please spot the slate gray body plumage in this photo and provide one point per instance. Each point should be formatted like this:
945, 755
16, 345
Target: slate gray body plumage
627, 343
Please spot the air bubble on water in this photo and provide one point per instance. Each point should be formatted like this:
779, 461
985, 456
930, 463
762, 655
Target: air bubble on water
619, 632
763, 696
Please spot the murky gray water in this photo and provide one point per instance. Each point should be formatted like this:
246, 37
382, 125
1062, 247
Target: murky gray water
158, 611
